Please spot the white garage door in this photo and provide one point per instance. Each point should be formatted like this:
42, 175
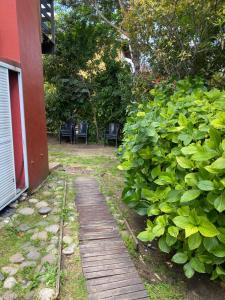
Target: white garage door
7, 169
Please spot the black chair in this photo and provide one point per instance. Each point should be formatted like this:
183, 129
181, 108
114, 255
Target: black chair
81, 131
67, 131
112, 133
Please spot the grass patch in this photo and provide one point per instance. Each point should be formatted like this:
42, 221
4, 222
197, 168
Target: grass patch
73, 283
162, 291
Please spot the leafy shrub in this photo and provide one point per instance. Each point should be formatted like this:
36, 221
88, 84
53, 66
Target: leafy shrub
174, 158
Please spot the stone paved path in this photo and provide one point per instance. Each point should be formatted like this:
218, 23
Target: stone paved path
109, 271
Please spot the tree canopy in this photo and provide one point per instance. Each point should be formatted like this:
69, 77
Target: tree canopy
163, 39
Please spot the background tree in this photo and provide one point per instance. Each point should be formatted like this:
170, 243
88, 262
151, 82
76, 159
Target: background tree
84, 78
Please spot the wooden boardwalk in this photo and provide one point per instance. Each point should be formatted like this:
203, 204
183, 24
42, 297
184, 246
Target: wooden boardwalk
109, 271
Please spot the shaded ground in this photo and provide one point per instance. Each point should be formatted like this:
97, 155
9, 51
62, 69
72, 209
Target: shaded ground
82, 149
164, 281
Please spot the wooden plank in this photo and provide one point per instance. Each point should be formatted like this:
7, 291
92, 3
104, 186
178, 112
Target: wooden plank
99, 258
107, 267
105, 252
97, 237
101, 244
131, 296
106, 262
106, 273
117, 292
111, 279
112, 285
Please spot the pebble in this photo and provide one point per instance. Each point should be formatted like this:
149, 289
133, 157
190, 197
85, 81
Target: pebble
42, 223
23, 227
34, 201
42, 235
46, 193
41, 204
46, 294
9, 296
67, 239
16, 258
44, 210
49, 258
9, 283
10, 270
33, 255
52, 228
26, 264
26, 245
27, 211
14, 204
69, 250
30, 248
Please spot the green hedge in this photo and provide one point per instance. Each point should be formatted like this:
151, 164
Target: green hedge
174, 158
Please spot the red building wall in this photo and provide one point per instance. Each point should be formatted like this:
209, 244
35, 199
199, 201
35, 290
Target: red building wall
20, 41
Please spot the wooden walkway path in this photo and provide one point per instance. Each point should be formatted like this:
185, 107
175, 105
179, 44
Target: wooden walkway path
109, 271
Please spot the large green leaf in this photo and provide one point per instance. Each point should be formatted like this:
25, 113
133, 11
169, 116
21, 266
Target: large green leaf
181, 222
174, 196
191, 149
153, 210
191, 179
158, 230
180, 258
145, 153
204, 154
219, 251
190, 195
194, 241
205, 185
170, 240
210, 244
185, 223
173, 231
149, 195
185, 163
206, 228
166, 207
219, 203
163, 245
184, 211
125, 166
156, 172
146, 236
218, 164
197, 265
188, 270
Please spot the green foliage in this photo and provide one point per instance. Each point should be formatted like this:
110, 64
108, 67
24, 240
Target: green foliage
84, 79
179, 38
174, 158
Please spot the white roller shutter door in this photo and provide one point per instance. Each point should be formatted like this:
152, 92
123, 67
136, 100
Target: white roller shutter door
7, 167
